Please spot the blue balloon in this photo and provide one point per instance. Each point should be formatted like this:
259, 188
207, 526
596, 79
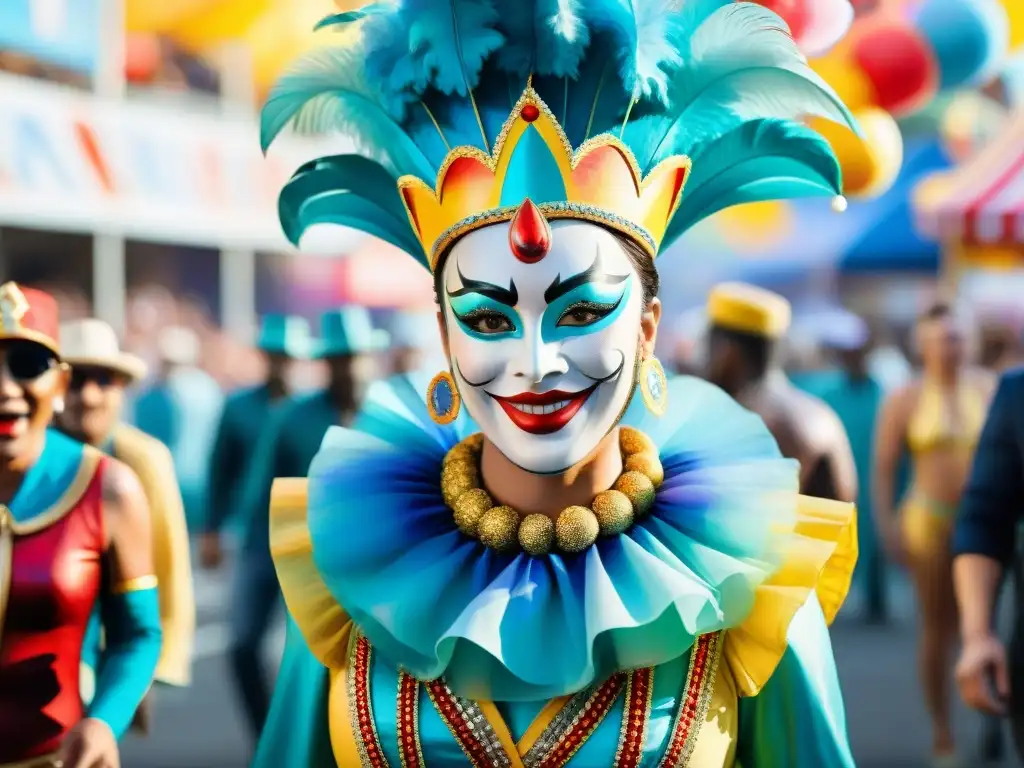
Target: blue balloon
969, 38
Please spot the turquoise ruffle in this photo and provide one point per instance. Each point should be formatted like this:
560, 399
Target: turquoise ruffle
516, 627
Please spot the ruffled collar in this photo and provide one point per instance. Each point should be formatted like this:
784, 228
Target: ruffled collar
516, 627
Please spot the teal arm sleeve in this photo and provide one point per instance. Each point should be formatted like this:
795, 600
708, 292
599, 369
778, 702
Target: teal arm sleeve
296, 733
132, 648
798, 718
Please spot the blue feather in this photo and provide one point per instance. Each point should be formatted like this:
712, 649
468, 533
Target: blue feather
325, 92
766, 159
542, 37
348, 17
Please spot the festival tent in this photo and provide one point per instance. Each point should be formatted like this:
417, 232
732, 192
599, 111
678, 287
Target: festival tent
976, 211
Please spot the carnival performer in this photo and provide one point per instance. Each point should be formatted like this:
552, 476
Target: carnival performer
282, 340
100, 375
74, 530
937, 418
507, 574
288, 440
746, 325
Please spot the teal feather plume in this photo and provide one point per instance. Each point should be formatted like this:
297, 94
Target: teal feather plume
324, 92
341, 20
717, 80
767, 159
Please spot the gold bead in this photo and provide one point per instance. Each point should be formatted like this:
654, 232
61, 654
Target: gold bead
469, 508
457, 478
634, 441
474, 442
536, 534
458, 452
613, 511
576, 529
499, 528
646, 464
638, 489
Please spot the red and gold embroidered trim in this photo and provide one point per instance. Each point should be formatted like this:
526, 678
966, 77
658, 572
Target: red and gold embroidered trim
360, 707
574, 724
695, 700
470, 728
409, 747
636, 715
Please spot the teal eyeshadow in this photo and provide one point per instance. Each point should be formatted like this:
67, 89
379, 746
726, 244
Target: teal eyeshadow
463, 306
593, 293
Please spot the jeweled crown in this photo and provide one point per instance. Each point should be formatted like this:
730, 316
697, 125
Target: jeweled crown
532, 159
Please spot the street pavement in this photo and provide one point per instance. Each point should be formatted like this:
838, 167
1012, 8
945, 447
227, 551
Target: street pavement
201, 727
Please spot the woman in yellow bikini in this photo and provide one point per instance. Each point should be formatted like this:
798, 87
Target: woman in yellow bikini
936, 418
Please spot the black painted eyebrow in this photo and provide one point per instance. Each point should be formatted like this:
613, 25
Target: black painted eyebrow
591, 274
507, 296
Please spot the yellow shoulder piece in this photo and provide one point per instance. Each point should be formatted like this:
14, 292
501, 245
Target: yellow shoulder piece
823, 553
323, 622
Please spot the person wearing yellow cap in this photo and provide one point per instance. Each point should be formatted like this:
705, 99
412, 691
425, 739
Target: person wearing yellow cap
746, 325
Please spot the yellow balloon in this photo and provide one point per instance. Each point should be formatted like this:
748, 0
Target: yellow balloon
753, 226
871, 162
847, 79
1015, 15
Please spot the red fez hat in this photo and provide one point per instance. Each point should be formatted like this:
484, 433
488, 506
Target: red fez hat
29, 314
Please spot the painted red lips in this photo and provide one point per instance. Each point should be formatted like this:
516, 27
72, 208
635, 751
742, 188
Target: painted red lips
545, 413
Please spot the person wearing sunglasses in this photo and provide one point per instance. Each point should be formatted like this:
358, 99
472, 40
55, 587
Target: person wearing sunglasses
100, 376
74, 534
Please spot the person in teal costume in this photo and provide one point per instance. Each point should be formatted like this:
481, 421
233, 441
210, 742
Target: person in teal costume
550, 554
282, 339
288, 438
856, 397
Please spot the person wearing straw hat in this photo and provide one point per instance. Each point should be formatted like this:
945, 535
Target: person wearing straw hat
282, 339
74, 535
288, 441
100, 375
746, 325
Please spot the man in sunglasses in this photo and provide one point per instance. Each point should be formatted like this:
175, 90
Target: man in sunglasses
100, 375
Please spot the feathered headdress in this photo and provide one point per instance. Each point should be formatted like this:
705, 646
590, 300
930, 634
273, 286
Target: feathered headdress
604, 110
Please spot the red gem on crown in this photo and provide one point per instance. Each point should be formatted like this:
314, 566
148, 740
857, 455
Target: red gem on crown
529, 235
529, 112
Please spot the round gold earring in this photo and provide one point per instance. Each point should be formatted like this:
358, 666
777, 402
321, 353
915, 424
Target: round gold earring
654, 386
443, 401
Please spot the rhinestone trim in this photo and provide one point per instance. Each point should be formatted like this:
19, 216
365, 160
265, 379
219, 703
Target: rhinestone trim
694, 702
636, 716
410, 748
360, 707
468, 725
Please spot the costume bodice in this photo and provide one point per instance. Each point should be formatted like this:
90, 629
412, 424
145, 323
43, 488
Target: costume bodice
50, 578
683, 712
935, 423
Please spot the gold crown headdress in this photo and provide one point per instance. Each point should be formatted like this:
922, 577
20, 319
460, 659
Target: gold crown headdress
448, 144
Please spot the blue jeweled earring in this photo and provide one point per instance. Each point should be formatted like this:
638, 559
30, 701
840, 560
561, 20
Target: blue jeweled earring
654, 386
443, 401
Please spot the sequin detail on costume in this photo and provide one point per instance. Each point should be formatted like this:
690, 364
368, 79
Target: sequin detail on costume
364, 726
469, 726
693, 708
636, 716
409, 747
574, 724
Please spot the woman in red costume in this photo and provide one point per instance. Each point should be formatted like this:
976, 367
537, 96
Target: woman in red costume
74, 530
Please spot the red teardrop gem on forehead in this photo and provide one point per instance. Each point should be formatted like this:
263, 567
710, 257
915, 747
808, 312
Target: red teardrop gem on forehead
529, 235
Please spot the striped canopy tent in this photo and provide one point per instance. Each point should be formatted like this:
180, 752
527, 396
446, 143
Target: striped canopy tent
274, 32
976, 211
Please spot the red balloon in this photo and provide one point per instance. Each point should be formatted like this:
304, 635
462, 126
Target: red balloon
142, 58
796, 14
899, 63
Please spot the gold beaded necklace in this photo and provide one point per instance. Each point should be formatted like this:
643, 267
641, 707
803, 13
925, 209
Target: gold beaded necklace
502, 528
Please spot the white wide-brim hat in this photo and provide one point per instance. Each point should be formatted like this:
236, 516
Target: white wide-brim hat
94, 343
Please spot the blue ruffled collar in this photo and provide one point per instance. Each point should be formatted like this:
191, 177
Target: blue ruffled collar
516, 627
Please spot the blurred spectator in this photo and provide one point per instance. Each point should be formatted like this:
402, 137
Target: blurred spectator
181, 409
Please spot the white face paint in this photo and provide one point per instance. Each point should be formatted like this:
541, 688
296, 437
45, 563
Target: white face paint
544, 354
